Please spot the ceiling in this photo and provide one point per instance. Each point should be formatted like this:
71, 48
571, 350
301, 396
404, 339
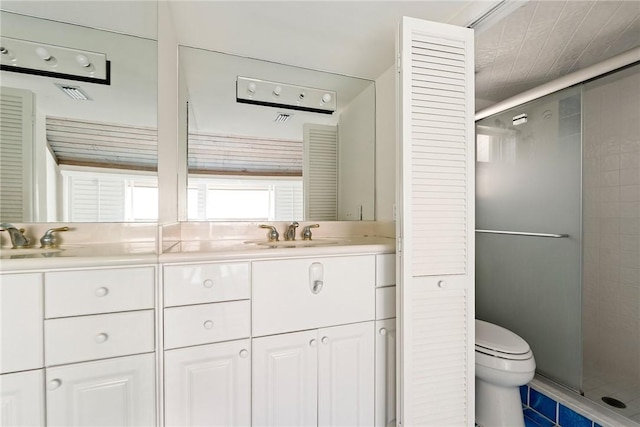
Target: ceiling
544, 40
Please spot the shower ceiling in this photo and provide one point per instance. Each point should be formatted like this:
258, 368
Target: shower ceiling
544, 40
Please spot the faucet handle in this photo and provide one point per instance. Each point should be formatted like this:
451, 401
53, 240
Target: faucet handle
306, 231
273, 235
48, 240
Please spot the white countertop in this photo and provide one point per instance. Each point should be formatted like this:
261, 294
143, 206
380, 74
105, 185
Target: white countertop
112, 254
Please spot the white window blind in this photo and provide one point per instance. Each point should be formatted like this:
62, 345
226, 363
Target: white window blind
96, 199
436, 224
16, 134
320, 172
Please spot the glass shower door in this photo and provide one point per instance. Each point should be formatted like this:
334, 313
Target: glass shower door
528, 180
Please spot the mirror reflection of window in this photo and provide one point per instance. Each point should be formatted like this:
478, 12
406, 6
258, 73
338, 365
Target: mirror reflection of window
230, 140
113, 131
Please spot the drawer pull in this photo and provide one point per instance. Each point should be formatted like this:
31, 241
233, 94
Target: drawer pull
208, 324
313, 343
101, 292
208, 283
325, 340
100, 338
317, 286
244, 353
54, 384
383, 331
442, 284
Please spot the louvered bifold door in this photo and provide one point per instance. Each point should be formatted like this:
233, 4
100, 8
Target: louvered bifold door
16, 147
320, 172
435, 226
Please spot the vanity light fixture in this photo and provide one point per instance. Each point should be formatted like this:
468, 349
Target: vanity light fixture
283, 95
23, 56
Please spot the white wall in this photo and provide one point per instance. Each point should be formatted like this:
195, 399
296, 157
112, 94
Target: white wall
386, 145
356, 148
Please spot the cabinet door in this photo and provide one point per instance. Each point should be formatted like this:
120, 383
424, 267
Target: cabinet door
208, 385
114, 392
346, 375
20, 322
285, 380
385, 373
22, 399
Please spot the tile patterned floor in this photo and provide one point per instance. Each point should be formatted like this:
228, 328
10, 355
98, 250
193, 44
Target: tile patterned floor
597, 385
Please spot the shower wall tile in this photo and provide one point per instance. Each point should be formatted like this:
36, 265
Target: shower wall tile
630, 226
629, 177
610, 162
630, 160
630, 193
630, 276
629, 242
610, 178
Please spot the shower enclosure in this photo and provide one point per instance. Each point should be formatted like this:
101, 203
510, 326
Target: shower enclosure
558, 240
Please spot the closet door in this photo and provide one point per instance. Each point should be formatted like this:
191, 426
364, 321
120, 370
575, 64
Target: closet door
435, 227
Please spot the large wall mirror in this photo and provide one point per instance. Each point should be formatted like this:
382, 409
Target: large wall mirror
64, 158
275, 160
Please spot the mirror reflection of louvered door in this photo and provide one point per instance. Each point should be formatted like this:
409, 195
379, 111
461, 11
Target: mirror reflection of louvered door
16, 153
435, 226
320, 172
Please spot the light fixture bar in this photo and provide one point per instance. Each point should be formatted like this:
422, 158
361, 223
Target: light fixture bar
54, 61
275, 94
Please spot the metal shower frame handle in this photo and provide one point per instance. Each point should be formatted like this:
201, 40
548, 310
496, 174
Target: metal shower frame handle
524, 233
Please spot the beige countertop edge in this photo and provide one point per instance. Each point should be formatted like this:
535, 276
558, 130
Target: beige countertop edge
216, 251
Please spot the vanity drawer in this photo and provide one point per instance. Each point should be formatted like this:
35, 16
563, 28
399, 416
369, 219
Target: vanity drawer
82, 338
283, 298
203, 283
74, 293
385, 270
206, 323
385, 302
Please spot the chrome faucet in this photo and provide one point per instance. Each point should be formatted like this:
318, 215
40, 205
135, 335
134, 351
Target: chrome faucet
48, 240
290, 234
306, 231
273, 235
18, 239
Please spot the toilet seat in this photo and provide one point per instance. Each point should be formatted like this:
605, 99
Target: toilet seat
496, 341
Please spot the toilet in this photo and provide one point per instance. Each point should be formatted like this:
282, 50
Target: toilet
504, 362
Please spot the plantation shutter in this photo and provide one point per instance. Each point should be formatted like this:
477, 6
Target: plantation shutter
288, 201
16, 146
96, 199
320, 172
435, 227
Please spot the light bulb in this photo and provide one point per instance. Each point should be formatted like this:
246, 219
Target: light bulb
251, 89
326, 98
83, 60
43, 53
277, 91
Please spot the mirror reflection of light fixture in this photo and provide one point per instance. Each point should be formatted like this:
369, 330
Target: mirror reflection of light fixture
274, 94
41, 59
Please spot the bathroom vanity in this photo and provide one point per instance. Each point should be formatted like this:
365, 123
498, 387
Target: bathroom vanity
207, 333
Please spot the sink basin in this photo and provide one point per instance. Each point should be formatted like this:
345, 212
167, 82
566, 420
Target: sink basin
295, 243
28, 252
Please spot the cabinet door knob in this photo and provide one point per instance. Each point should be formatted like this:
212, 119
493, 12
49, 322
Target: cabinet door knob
383, 331
313, 343
442, 284
102, 291
244, 353
325, 340
54, 384
100, 338
208, 283
208, 324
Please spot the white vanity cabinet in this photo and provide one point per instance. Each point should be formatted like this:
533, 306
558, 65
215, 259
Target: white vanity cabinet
207, 358
112, 392
99, 346
317, 377
21, 351
320, 371
385, 341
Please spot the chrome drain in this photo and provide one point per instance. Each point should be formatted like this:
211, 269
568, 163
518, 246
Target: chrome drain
614, 402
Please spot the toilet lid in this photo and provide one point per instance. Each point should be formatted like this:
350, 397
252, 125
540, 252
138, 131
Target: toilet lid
497, 338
